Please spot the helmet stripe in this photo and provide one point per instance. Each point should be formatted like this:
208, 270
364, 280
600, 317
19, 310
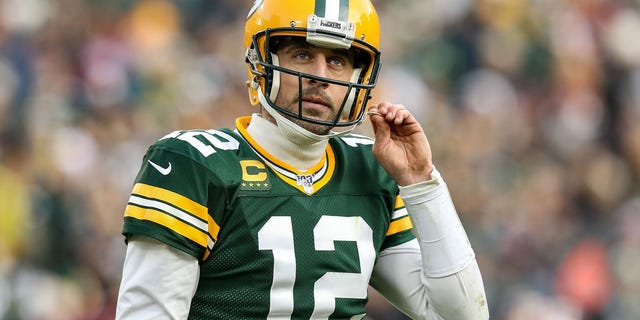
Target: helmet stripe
333, 9
320, 8
344, 10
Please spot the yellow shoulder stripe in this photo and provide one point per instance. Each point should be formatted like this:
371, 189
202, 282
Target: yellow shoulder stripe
399, 225
192, 233
179, 201
398, 203
175, 199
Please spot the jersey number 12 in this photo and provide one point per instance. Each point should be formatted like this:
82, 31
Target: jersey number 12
277, 235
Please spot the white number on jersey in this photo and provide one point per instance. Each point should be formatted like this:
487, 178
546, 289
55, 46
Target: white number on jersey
214, 138
277, 235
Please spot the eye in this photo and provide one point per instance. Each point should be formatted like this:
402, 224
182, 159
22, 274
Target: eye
338, 61
302, 55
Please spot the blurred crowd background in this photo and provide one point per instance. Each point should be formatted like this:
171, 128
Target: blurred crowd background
532, 109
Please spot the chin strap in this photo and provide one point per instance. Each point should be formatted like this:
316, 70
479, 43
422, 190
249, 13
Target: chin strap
296, 133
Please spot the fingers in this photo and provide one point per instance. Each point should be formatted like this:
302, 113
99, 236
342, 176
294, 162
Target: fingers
381, 129
390, 113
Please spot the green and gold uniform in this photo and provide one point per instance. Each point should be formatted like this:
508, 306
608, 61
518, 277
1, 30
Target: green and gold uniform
273, 242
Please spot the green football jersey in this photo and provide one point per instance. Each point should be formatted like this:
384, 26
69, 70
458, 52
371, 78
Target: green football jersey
273, 242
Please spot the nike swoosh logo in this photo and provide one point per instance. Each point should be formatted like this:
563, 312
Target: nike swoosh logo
163, 171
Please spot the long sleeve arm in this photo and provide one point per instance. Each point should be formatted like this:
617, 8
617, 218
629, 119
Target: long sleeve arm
158, 281
435, 277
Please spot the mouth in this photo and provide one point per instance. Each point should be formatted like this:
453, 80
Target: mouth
315, 100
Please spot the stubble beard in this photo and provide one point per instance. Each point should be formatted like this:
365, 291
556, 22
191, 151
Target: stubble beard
319, 129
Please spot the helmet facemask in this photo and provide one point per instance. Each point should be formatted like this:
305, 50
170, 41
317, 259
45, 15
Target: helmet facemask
265, 71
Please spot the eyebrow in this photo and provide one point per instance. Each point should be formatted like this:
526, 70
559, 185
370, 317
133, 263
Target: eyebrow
293, 45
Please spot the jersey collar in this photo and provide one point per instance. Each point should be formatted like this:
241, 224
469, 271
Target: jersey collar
308, 181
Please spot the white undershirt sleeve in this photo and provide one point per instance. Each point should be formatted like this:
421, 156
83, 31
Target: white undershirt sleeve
443, 241
158, 281
435, 276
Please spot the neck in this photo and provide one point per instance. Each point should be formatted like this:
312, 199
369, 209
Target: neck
302, 154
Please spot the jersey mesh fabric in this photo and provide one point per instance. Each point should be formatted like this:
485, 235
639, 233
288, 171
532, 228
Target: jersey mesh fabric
236, 276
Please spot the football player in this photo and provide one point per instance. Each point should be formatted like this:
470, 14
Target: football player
290, 215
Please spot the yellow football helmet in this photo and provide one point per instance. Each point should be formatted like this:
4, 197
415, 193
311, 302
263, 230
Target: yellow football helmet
348, 24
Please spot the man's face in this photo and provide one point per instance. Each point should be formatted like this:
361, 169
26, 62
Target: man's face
320, 100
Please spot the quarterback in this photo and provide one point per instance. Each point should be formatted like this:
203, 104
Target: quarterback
290, 215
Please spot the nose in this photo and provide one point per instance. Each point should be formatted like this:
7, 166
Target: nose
319, 68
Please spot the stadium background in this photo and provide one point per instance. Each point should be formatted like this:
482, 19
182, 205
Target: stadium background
532, 109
